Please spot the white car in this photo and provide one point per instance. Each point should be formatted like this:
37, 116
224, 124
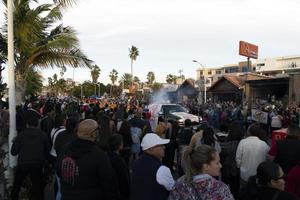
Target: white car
174, 112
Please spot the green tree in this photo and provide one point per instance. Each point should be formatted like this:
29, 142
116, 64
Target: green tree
61, 86
133, 54
171, 79
87, 89
50, 85
113, 77
125, 80
136, 80
156, 86
150, 78
34, 83
39, 43
95, 73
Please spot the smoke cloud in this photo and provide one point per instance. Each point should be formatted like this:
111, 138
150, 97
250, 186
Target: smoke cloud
159, 97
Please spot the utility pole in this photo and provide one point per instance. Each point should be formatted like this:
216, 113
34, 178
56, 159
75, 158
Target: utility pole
11, 81
180, 75
203, 66
180, 72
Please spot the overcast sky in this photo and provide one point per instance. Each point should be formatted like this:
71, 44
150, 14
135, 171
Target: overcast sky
171, 33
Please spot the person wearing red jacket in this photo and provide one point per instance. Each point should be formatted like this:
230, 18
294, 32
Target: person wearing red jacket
293, 180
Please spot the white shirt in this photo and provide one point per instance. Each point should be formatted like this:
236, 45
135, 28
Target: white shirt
165, 178
250, 153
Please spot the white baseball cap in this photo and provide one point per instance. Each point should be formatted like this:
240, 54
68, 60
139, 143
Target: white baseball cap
151, 140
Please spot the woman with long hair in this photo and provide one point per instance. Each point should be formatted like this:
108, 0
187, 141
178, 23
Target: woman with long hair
104, 133
127, 141
200, 165
230, 171
268, 184
208, 138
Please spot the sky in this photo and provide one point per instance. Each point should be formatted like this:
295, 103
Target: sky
171, 33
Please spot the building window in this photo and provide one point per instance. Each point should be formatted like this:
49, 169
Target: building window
233, 69
218, 72
209, 72
201, 72
244, 69
260, 64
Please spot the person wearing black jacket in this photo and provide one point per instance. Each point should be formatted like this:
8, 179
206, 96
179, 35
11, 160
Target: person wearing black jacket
47, 122
66, 136
183, 138
119, 165
284, 152
85, 171
32, 147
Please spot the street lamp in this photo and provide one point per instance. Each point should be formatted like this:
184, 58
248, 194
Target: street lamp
204, 79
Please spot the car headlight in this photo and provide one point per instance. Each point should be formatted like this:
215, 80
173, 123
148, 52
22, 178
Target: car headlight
180, 120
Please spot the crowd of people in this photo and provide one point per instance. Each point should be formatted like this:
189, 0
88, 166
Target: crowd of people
108, 150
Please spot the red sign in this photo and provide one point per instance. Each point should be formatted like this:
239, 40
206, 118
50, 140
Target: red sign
248, 50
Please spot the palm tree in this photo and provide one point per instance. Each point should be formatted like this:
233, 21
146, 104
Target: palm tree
95, 73
150, 78
113, 77
171, 78
136, 80
125, 80
61, 86
38, 44
133, 54
34, 82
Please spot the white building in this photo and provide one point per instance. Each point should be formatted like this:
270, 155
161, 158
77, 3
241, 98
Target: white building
278, 65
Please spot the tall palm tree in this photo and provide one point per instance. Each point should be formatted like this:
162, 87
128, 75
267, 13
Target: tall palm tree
39, 43
133, 54
113, 77
95, 73
150, 78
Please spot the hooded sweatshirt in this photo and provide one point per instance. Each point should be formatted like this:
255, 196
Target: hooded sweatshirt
86, 173
32, 146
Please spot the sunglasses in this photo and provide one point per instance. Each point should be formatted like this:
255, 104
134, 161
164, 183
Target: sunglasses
281, 177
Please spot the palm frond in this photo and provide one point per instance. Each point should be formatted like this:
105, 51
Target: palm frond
3, 48
65, 3
60, 58
54, 14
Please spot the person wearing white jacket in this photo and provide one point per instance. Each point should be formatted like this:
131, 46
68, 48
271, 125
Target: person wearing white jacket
250, 153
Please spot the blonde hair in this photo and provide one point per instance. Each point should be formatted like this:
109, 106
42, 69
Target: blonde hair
193, 160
